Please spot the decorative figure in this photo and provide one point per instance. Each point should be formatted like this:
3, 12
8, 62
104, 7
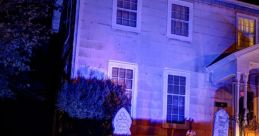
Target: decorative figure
221, 123
122, 122
190, 132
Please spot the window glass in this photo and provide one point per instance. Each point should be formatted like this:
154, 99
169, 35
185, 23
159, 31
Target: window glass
127, 12
246, 32
175, 99
180, 20
123, 77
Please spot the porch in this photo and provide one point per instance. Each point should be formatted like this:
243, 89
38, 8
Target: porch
240, 71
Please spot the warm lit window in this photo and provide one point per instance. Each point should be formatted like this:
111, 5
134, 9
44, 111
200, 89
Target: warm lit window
125, 74
246, 35
176, 96
179, 20
126, 14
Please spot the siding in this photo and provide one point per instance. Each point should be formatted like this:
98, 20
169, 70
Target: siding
213, 32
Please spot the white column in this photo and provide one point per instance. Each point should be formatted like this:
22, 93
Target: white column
245, 78
237, 130
257, 99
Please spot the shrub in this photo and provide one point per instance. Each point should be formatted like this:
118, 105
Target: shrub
91, 98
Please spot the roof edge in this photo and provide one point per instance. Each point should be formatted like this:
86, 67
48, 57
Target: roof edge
240, 3
232, 57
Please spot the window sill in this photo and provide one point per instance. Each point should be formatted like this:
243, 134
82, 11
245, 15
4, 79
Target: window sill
180, 38
126, 28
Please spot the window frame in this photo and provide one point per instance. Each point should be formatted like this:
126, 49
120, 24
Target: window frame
241, 15
190, 24
123, 27
134, 67
176, 72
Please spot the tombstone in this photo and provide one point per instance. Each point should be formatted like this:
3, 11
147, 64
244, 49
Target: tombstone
221, 123
122, 122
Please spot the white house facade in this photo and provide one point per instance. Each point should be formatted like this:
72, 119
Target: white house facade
176, 59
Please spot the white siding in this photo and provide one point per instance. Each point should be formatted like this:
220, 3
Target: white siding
152, 50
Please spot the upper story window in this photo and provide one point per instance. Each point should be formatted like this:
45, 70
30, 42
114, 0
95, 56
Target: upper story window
179, 25
246, 35
176, 96
126, 14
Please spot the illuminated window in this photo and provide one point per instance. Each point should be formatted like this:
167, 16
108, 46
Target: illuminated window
246, 35
176, 96
126, 14
124, 74
179, 20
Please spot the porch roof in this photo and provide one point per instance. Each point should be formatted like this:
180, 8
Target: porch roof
241, 61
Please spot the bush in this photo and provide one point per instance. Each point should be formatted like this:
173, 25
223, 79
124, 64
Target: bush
91, 98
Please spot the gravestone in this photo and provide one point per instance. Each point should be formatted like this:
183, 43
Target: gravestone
122, 122
221, 123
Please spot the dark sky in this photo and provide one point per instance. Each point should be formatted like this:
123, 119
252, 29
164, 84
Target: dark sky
251, 1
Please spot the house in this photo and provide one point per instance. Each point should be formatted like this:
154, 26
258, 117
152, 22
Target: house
178, 59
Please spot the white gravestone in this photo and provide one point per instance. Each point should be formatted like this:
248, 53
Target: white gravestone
122, 122
221, 123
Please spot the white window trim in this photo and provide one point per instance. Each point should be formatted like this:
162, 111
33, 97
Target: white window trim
240, 15
190, 24
127, 28
134, 67
176, 72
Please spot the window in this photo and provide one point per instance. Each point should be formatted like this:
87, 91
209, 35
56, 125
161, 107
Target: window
246, 35
123, 77
126, 14
176, 96
179, 20
125, 74
175, 99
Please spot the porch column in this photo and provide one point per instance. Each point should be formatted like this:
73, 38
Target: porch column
245, 78
256, 102
237, 86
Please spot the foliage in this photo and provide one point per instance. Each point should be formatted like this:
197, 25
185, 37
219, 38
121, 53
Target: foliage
91, 98
24, 26
5, 92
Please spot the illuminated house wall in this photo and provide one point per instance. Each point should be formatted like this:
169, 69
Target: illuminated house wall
153, 53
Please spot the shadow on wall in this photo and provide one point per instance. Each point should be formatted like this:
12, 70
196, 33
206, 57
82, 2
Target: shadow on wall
25, 116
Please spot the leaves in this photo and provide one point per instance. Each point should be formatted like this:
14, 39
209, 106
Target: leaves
91, 98
24, 26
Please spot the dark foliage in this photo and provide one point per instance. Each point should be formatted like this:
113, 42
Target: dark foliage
24, 27
88, 106
91, 98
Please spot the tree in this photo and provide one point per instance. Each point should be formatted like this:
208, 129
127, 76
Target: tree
24, 27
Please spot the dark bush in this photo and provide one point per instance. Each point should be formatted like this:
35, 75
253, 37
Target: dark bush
92, 100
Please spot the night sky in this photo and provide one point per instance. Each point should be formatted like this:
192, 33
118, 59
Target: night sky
251, 1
